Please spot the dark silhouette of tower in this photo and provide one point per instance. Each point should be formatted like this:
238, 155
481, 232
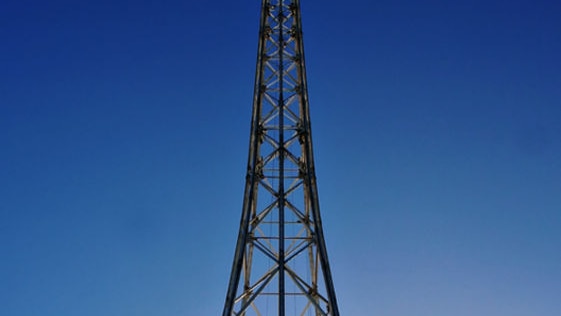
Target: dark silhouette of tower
280, 265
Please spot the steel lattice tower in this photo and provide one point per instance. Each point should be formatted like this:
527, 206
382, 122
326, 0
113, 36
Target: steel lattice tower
280, 265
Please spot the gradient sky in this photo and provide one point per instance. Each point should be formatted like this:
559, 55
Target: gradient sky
124, 129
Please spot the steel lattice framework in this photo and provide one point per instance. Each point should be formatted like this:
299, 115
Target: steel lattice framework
280, 265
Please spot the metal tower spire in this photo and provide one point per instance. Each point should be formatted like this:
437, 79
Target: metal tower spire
280, 265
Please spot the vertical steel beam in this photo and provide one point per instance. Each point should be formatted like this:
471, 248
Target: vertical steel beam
281, 194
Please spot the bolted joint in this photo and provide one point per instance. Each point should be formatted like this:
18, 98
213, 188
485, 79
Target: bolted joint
259, 168
296, 58
302, 132
301, 168
292, 7
294, 32
261, 133
269, 7
267, 32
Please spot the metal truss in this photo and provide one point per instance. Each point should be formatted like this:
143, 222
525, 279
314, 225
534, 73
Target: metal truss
280, 265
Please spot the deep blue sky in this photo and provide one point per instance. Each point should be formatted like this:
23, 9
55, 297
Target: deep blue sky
124, 128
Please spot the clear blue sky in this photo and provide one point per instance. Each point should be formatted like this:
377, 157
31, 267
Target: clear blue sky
124, 128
